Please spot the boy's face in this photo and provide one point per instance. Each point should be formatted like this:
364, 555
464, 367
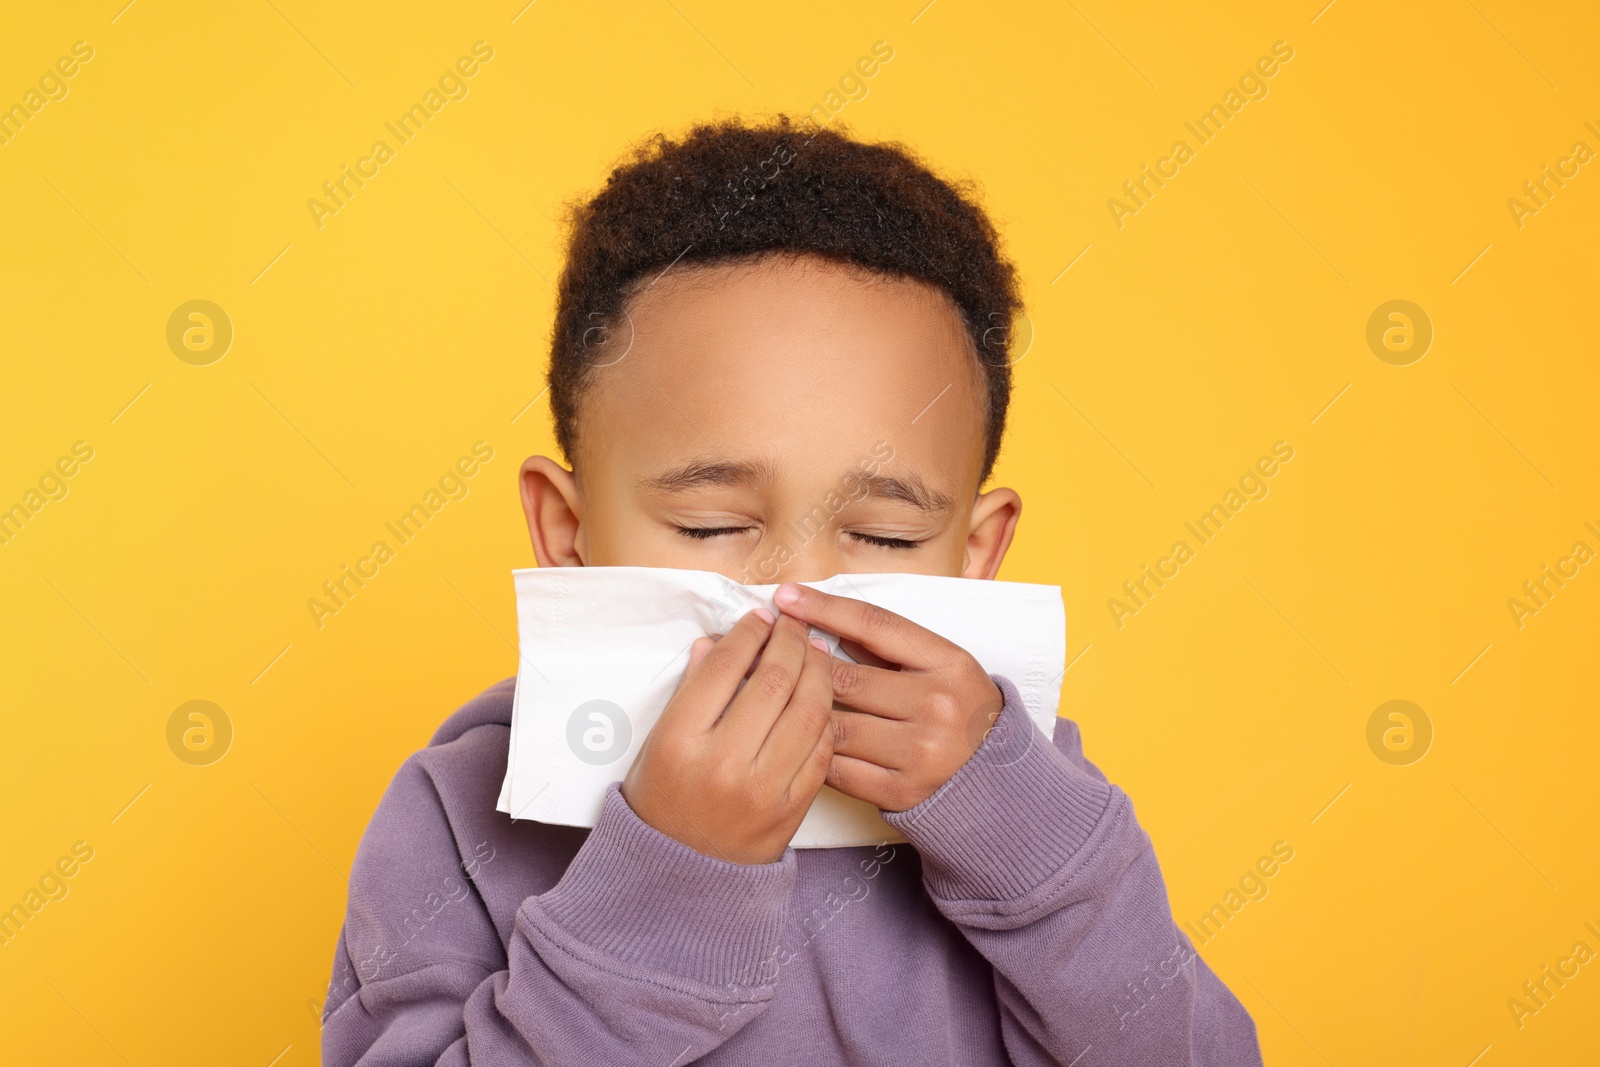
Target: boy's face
784, 420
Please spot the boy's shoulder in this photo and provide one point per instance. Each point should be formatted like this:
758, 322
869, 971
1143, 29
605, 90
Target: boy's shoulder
442, 803
492, 707
465, 760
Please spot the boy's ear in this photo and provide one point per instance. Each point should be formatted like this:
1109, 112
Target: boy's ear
554, 509
994, 522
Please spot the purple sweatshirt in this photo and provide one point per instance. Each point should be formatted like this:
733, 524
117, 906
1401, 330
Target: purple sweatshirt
1026, 923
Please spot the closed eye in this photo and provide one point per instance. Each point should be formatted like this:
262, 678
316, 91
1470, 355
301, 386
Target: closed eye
884, 542
705, 533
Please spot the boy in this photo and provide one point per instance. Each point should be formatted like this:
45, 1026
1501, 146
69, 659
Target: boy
745, 315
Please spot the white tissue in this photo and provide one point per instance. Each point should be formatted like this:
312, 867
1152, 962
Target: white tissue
596, 640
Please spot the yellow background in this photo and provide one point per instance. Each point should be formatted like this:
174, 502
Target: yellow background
1226, 315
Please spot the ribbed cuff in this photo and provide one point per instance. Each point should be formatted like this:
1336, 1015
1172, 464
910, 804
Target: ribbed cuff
646, 901
1009, 819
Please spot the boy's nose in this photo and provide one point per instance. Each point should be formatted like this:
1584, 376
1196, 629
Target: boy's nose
812, 562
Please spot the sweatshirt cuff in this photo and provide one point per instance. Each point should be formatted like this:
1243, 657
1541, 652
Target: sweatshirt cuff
1012, 817
653, 904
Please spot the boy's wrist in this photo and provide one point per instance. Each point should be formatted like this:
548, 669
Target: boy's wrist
1014, 815
649, 902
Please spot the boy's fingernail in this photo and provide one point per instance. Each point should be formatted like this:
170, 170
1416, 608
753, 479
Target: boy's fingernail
787, 594
764, 614
822, 645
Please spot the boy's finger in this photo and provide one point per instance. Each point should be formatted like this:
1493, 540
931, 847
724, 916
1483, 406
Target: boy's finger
698, 650
813, 773
889, 693
805, 718
750, 716
881, 742
861, 655
711, 682
879, 630
865, 781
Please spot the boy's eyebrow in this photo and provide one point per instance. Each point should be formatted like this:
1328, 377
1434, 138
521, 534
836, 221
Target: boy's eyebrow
907, 489
701, 472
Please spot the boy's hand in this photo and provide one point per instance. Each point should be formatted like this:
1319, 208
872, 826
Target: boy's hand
917, 718
729, 775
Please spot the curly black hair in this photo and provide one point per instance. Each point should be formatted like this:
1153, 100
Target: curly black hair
730, 191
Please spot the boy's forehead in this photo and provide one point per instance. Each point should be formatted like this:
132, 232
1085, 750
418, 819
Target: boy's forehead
784, 303
785, 355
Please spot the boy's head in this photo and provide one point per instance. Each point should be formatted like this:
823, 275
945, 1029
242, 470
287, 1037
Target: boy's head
779, 354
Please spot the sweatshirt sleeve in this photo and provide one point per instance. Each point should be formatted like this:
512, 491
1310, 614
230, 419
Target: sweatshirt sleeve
1042, 866
643, 951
